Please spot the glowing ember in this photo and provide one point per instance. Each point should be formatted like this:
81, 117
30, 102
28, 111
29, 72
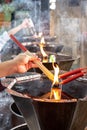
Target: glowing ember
55, 90
55, 93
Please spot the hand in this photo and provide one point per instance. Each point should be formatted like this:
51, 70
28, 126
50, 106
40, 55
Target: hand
27, 23
23, 62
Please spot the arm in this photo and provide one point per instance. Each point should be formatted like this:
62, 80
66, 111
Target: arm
7, 68
5, 36
15, 30
27, 23
24, 24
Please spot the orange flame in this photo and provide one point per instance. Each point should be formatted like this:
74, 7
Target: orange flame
45, 56
55, 90
42, 40
56, 73
55, 93
40, 34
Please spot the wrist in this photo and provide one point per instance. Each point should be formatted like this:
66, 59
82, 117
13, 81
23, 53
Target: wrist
20, 27
13, 66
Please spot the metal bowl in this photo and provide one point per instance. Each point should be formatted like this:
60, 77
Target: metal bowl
40, 113
17, 117
37, 112
20, 127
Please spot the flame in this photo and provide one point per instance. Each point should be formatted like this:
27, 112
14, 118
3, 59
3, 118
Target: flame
42, 40
55, 90
55, 93
45, 56
56, 73
40, 34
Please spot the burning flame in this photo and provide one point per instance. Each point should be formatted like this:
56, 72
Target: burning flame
45, 56
40, 34
42, 40
55, 90
56, 73
55, 93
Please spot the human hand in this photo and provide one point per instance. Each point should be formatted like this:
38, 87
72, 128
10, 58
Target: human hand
27, 23
23, 62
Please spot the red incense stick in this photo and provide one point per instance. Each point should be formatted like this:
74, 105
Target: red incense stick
72, 78
71, 72
74, 74
39, 64
23, 48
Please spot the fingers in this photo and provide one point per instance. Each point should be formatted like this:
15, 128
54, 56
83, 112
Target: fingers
31, 65
25, 61
33, 57
25, 23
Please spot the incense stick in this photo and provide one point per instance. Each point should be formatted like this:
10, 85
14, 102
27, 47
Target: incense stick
71, 72
72, 75
72, 78
39, 64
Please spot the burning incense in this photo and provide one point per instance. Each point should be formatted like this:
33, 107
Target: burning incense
55, 93
56, 88
39, 64
74, 74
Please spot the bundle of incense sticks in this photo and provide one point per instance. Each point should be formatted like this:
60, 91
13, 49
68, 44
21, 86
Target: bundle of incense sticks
68, 76
39, 64
72, 75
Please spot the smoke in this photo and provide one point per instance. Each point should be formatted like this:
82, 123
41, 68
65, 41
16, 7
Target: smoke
26, 9
31, 9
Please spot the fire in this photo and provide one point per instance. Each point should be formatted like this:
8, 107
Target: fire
40, 34
55, 93
56, 73
45, 56
42, 40
55, 90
